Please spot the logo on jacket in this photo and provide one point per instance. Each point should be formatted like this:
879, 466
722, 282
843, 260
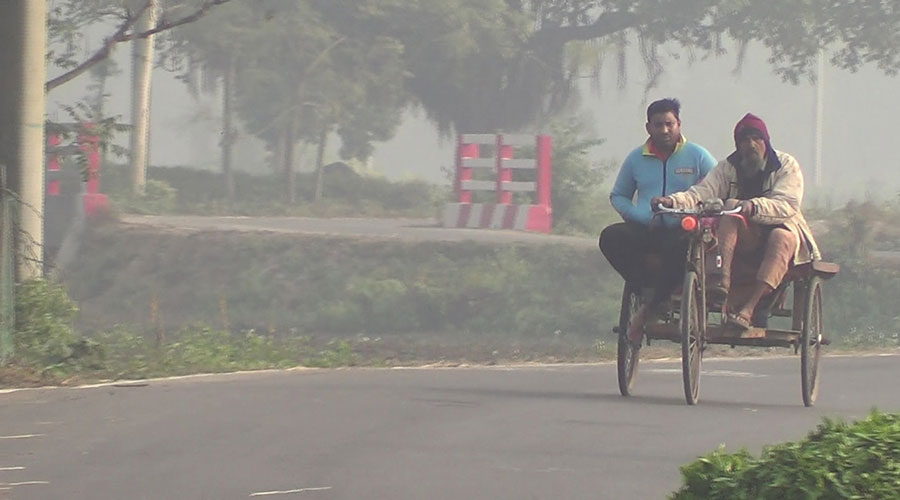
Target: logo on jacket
685, 170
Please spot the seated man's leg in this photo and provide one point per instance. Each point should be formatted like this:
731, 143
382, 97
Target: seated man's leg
729, 232
673, 248
624, 245
777, 257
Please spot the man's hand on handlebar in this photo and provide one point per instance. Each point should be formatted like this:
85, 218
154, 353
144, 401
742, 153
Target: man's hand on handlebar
665, 201
747, 206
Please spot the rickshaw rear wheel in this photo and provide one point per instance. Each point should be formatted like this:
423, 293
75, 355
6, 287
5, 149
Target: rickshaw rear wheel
811, 342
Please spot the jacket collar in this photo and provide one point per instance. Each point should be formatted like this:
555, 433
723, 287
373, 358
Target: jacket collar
650, 150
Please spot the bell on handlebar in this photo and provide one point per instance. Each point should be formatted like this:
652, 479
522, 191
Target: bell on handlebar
712, 205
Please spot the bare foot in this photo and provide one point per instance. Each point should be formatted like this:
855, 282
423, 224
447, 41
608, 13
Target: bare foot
636, 328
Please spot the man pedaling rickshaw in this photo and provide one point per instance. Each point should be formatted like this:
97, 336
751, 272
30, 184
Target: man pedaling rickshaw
768, 237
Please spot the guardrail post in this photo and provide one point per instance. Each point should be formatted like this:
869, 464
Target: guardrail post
464, 151
53, 189
95, 202
504, 152
545, 170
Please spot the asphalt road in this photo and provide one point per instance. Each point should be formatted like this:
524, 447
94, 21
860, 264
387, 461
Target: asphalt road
493, 432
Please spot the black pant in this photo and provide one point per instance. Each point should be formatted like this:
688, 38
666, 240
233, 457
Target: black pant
626, 245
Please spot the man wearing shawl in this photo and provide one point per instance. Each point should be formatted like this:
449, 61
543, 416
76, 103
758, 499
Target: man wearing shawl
770, 235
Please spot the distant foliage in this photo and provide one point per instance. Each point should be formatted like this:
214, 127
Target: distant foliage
159, 198
860, 303
836, 461
580, 192
186, 190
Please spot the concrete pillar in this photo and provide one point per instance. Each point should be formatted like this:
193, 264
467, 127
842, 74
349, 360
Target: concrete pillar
141, 79
23, 39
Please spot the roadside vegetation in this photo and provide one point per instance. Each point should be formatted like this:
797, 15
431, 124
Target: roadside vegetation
189, 191
838, 460
151, 302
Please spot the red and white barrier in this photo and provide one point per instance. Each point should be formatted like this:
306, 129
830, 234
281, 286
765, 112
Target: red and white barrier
88, 144
537, 216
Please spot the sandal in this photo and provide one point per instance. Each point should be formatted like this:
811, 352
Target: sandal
738, 321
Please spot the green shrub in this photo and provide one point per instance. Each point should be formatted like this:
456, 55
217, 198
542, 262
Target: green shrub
202, 349
836, 461
44, 337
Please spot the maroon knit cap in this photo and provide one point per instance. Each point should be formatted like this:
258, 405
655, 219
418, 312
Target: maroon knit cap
751, 121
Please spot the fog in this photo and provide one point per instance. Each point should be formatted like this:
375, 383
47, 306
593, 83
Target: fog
857, 118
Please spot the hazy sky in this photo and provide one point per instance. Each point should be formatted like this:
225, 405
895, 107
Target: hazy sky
858, 112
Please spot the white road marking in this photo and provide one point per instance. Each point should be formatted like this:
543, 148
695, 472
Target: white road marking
24, 483
288, 492
440, 366
22, 436
3, 469
711, 373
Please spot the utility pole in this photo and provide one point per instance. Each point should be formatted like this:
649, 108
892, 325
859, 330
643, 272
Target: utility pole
141, 79
23, 43
820, 120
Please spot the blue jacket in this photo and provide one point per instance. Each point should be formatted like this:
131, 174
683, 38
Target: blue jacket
643, 172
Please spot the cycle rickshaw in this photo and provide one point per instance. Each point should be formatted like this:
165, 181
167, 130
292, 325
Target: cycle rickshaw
687, 320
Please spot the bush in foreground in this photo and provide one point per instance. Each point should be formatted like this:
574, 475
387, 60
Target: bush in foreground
44, 338
860, 460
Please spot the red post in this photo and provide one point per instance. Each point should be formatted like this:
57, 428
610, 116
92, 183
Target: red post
504, 152
94, 201
545, 169
464, 151
53, 141
90, 146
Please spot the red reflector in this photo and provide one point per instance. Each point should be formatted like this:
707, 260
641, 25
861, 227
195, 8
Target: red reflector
689, 223
53, 188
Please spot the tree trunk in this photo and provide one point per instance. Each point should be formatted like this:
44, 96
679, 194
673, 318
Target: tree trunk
142, 75
290, 176
24, 39
320, 160
228, 134
100, 100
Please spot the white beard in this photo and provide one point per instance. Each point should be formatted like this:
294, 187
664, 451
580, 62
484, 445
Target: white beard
752, 166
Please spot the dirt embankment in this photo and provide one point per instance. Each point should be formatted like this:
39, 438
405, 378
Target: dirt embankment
511, 299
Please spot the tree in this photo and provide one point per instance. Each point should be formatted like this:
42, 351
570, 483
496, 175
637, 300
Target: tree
67, 20
310, 71
461, 57
209, 57
141, 83
506, 64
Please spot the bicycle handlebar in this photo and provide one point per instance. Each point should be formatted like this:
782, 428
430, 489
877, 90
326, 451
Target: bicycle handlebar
662, 209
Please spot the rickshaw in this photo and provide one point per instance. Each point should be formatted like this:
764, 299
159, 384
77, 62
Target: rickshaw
688, 317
